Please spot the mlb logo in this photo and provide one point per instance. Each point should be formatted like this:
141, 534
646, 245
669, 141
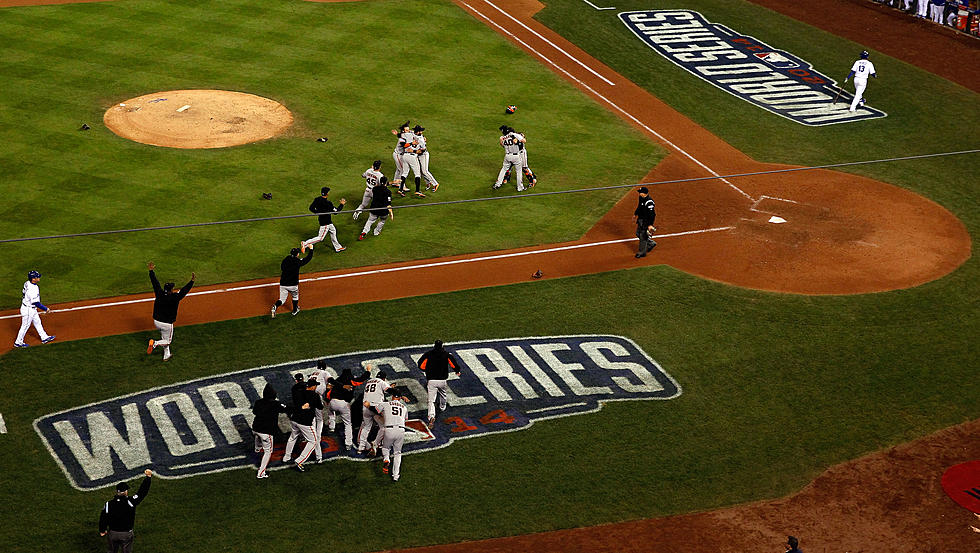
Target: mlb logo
778, 61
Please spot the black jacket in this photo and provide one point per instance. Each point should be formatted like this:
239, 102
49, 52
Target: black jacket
346, 380
165, 306
324, 207
381, 200
436, 363
266, 413
290, 269
305, 416
645, 212
119, 513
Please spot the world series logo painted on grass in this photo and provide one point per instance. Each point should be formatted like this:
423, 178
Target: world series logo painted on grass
775, 80
203, 426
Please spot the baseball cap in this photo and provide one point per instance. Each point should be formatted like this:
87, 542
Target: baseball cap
643, 190
122, 486
792, 541
324, 190
418, 128
299, 377
312, 382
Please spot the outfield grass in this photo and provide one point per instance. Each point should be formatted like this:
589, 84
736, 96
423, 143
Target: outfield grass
346, 71
776, 388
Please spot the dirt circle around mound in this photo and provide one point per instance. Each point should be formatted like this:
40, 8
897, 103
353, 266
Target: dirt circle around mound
198, 118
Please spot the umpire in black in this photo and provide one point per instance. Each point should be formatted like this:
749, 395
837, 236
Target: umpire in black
119, 515
644, 215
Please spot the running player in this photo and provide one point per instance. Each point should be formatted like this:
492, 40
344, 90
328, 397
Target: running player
436, 364
372, 178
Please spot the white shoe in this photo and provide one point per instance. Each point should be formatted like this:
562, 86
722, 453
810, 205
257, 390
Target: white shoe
263, 475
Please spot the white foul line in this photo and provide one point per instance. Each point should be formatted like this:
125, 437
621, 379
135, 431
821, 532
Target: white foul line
659, 136
597, 7
3, 426
553, 45
393, 269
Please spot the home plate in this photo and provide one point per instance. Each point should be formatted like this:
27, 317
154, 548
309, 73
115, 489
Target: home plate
776, 220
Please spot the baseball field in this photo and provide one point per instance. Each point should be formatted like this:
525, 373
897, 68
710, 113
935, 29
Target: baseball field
847, 331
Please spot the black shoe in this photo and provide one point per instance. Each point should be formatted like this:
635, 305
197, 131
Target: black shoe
300, 468
639, 255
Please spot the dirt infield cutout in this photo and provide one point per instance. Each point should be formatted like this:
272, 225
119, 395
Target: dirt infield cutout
198, 118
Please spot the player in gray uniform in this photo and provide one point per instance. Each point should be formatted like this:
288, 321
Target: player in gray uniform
511, 142
374, 395
393, 412
532, 179
372, 178
400, 132
410, 161
423, 152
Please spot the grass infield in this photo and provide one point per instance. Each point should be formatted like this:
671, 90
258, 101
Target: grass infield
776, 387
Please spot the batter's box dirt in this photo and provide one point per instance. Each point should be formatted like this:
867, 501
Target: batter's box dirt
796, 223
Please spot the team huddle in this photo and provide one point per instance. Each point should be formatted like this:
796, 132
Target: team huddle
383, 412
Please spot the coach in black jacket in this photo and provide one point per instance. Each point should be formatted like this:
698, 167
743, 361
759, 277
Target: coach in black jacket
436, 363
119, 514
165, 310
305, 400
289, 279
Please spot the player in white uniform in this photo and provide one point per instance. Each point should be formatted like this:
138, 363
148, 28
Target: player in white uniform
372, 177
374, 395
410, 161
400, 132
29, 304
511, 142
320, 375
861, 69
423, 152
394, 413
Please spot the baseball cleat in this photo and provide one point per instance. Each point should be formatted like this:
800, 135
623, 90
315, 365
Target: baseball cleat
16, 345
419, 195
497, 186
263, 475
47, 340
295, 311
286, 461
299, 467
361, 237
149, 347
167, 358
340, 249
435, 187
432, 422
394, 478
385, 465
273, 311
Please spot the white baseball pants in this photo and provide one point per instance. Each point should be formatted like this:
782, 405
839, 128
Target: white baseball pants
424, 165
859, 86
409, 161
368, 419
517, 162
398, 164
288, 290
166, 336
922, 8
318, 431
365, 202
338, 406
371, 219
29, 316
263, 443
324, 231
394, 439
436, 388
307, 433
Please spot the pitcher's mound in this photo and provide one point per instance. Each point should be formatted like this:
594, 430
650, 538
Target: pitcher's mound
198, 118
